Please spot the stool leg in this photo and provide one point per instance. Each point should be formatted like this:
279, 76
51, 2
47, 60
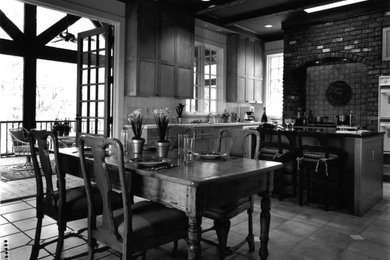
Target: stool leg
308, 184
301, 185
280, 184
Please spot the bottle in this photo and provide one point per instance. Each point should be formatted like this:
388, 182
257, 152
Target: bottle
310, 119
264, 118
304, 121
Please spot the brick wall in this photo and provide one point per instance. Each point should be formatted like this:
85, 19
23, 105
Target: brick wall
332, 45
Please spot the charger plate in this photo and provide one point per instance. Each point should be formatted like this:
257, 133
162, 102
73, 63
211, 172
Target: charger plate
149, 162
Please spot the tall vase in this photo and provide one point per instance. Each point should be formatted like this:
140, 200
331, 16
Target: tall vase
179, 120
137, 145
162, 148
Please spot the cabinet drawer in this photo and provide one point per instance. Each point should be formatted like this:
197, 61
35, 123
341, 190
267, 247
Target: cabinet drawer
204, 131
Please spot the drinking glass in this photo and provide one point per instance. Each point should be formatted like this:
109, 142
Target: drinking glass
287, 121
292, 123
124, 139
180, 146
188, 149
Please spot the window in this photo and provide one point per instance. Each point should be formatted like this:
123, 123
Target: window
274, 88
207, 62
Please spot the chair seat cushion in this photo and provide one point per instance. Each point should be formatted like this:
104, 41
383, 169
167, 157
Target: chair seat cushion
318, 155
77, 205
229, 210
152, 220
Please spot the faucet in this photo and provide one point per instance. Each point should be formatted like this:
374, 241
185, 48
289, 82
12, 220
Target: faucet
211, 115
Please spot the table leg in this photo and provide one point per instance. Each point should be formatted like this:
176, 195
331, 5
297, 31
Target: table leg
194, 236
265, 219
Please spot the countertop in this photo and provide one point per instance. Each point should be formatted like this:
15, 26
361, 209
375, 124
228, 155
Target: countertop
254, 124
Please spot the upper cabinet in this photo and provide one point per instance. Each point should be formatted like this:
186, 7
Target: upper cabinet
244, 69
159, 50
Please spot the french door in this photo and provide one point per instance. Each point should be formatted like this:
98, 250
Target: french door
94, 82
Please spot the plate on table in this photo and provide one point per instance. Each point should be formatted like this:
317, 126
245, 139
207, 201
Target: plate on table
149, 162
210, 155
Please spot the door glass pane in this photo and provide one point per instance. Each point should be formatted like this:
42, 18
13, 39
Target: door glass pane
56, 90
11, 87
4, 35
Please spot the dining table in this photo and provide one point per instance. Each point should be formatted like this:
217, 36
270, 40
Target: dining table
192, 188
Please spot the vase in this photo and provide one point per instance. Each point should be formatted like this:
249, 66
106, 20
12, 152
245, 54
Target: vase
137, 145
179, 120
162, 148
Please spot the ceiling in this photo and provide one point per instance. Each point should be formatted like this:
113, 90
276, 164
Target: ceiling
250, 16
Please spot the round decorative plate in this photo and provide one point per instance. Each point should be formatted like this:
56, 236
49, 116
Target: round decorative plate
339, 93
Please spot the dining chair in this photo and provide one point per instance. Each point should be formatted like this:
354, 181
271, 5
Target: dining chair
137, 226
56, 201
21, 146
238, 143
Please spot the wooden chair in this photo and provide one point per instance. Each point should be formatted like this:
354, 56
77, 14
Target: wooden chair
135, 227
61, 204
21, 146
236, 143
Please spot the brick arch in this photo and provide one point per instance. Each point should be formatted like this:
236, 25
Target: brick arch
309, 60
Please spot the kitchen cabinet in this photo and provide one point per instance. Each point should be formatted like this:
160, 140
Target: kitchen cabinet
159, 50
244, 69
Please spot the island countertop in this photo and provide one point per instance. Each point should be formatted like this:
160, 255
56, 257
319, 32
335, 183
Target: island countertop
249, 123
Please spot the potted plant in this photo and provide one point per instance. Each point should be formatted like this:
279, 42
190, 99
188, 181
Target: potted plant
58, 127
161, 118
66, 127
225, 116
136, 120
179, 111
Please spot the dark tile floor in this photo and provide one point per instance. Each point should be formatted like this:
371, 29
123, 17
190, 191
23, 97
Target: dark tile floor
297, 232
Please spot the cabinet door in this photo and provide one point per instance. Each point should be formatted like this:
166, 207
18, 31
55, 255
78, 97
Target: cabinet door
241, 86
184, 88
249, 58
148, 31
249, 90
185, 56
166, 86
147, 80
167, 37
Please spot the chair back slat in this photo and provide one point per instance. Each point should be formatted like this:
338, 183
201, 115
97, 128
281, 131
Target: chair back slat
236, 142
105, 149
42, 143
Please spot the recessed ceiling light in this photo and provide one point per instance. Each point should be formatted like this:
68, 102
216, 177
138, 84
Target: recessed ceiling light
332, 5
268, 26
205, 0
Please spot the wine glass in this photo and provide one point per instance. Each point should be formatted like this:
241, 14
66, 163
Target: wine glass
292, 121
287, 121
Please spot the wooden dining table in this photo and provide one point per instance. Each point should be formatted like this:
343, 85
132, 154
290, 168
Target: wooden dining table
193, 188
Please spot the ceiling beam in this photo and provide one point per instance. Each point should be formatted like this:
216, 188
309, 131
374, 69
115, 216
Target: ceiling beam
57, 28
289, 6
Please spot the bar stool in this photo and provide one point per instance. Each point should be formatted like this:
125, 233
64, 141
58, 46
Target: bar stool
280, 146
320, 170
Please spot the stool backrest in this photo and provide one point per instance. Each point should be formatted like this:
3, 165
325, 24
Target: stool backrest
236, 142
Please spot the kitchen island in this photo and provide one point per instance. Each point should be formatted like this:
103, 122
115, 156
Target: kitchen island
363, 169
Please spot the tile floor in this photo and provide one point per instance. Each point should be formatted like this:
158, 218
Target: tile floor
296, 232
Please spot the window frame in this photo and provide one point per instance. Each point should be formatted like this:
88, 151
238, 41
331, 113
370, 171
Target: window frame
268, 84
